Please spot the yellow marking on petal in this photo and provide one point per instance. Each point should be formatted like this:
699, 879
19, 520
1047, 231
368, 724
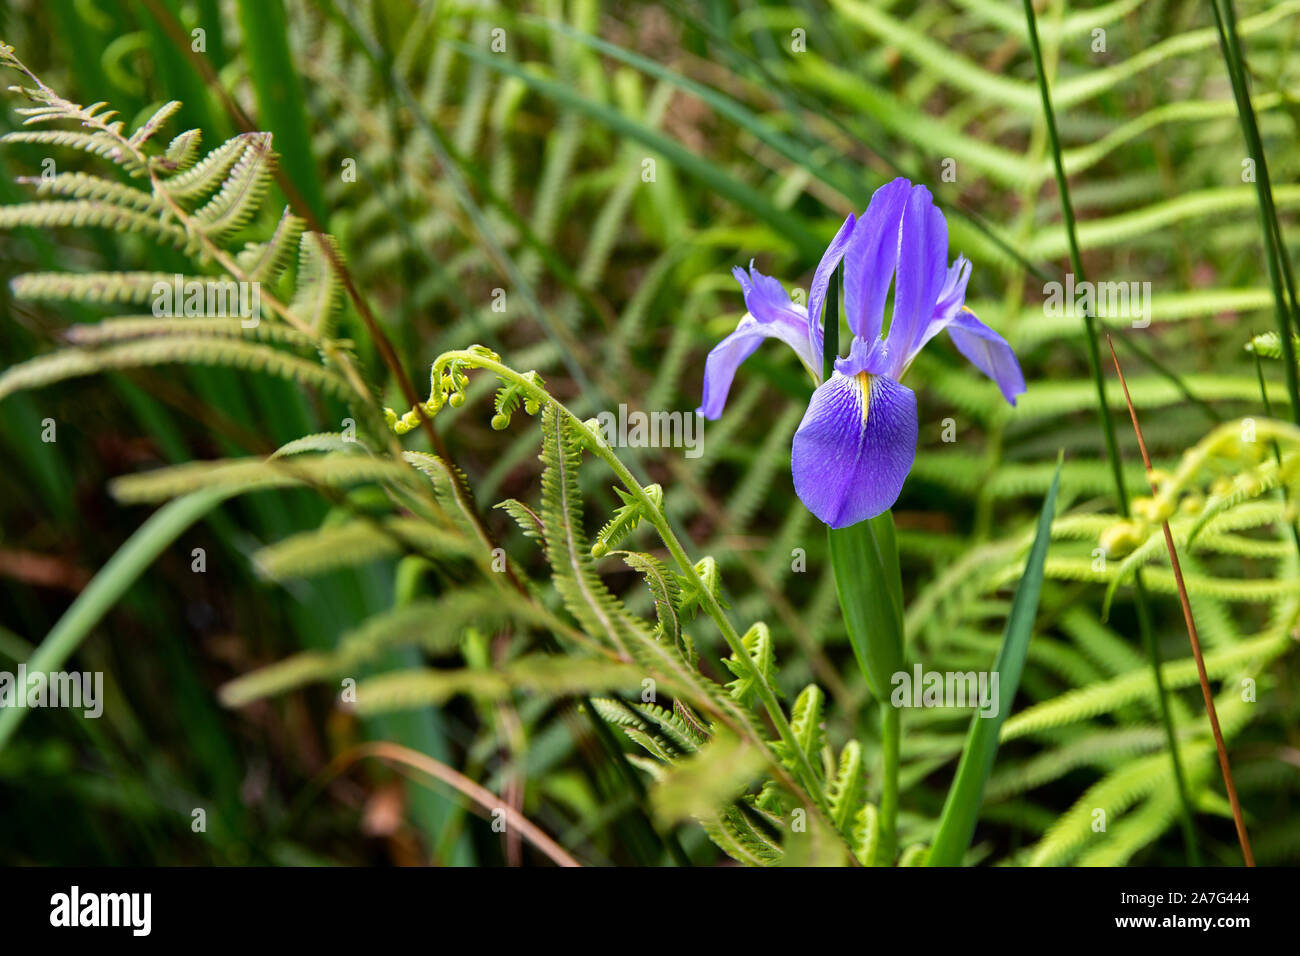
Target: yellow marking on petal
864, 382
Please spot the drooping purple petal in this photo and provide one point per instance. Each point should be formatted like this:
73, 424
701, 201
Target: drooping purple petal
988, 352
854, 447
871, 258
922, 270
768, 302
771, 316
821, 279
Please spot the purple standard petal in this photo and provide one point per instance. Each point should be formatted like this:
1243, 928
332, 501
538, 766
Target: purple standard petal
771, 316
871, 257
854, 447
922, 270
951, 300
821, 279
988, 352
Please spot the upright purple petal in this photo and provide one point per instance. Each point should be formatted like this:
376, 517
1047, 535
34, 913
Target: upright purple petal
821, 279
871, 257
854, 447
922, 270
988, 352
952, 297
771, 316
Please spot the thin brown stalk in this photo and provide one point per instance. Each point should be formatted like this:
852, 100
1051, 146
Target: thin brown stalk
484, 798
1191, 628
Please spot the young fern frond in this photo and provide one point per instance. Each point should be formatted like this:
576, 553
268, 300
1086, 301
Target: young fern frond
806, 720
760, 667
665, 589
848, 791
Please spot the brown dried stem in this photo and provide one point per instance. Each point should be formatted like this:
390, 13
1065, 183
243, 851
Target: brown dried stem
1191, 628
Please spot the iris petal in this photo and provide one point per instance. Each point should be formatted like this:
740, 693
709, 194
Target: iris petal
871, 257
951, 301
922, 270
988, 352
854, 447
771, 316
821, 279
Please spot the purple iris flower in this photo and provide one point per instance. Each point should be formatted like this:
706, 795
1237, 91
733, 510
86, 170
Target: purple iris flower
857, 441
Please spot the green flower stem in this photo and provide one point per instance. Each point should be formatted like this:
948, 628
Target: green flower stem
864, 558
891, 741
804, 771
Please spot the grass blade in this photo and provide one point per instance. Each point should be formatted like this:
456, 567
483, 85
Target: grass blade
162, 528
961, 809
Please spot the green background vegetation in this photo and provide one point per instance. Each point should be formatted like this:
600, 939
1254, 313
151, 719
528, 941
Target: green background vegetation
522, 171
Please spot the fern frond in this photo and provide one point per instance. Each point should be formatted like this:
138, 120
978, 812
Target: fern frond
848, 791
665, 589
762, 652
1085, 702
306, 667
525, 517
626, 519
154, 123
130, 288
736, 836
355, 542
317, 288
165, 350
337, 470
207, 175
180, 153
704, 783
681, 733
585, 595
92, 213
320, 441
86, 186
139, 327
242, 192
806, 721
264, 262
96, 143
556, 676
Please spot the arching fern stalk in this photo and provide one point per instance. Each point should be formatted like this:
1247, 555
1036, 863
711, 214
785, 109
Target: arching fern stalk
809, 805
